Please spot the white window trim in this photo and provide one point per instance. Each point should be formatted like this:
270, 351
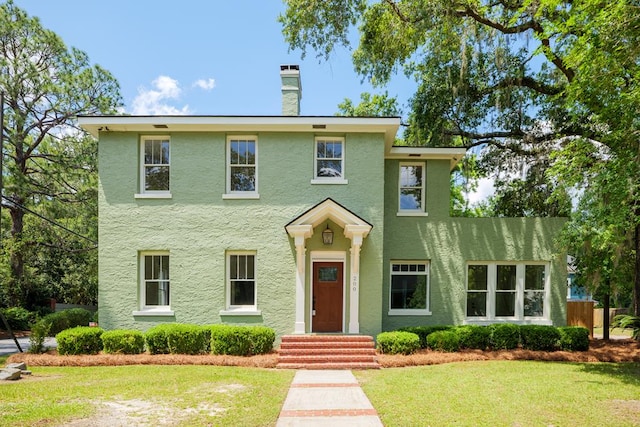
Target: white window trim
152, 194
240, 310
413, 212
519, 303
411, 311
231, 195
327, 179
151, 310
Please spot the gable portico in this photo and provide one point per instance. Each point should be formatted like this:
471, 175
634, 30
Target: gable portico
302, 228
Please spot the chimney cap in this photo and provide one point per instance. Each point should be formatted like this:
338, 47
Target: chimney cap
286, 67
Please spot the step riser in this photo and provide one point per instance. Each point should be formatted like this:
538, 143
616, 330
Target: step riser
326, 359
330, 346
318, 351
327, 352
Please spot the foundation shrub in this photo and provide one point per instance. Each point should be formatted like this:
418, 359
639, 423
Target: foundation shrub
123, 342
573, 338
241, 340
186, 339
156, 339
398, 342
539, 337
504, 336
473, 336
447, 341
54, 323
424, 331
79, 340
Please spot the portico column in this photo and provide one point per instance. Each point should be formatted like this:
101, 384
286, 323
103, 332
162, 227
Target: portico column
300, 233
356, 233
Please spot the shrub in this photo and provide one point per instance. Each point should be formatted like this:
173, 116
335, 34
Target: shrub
19, 319
424, 331
447, 341
574, 338
186, 339
241, 340
473, 336
54, 323
398, 342
539, 337
79, 340
627, 321
123, 341
156, 339
504, 336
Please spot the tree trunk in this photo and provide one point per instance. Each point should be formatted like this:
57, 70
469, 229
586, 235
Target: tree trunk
17, 252
636, 275
605, 315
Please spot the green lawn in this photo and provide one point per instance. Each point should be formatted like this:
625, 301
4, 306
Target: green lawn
186, 395
506, 393
614, 331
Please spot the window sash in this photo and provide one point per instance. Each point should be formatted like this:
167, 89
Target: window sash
242, 164
156, 166
409, 286
242, 289
329, 158
411, 187
156, 283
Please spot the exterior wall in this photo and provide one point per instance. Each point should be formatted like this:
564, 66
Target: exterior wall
197, 226
450, 243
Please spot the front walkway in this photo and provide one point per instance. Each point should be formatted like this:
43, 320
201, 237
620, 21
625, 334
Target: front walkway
322, 398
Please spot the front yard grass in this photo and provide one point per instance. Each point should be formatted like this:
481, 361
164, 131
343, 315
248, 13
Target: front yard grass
152, 395
506, 393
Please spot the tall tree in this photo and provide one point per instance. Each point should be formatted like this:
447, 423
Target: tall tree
46, 85
526, 78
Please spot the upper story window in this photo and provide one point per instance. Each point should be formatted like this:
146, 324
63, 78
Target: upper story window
329, 161
503, 290
155, 166
409, 288
242, 166
411, 189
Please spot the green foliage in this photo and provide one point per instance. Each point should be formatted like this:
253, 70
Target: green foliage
626, 321
19, 319
504, 336
79, 340
473, 336
447, 341
424, 331
378, 105
123, 341
397, 342
540, 337
186, 339
241, 340
573, 338
54, 323
156, 339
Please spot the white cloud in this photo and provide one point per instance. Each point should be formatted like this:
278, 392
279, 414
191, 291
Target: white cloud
483, 191
203, 84
154, 101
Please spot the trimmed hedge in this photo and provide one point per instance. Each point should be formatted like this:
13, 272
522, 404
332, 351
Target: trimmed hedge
156, 339
123, 341
54, 323
241, 340
573, 338
447, 341
504, 336
79, 340
398, 342
539, 337
186, 339
473, 336
424, 331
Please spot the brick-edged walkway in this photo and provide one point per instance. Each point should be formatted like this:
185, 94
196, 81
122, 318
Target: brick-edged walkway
322, 398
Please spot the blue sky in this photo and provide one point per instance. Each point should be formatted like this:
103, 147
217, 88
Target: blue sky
201, 57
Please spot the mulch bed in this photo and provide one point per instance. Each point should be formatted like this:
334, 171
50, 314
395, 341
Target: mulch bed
599, 351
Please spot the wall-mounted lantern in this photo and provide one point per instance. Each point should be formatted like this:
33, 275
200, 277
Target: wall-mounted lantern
327, 236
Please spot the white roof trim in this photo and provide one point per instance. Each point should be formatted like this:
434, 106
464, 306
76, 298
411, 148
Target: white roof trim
453, 154
329, 209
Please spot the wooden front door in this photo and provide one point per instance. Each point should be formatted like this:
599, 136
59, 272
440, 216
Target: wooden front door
327, 297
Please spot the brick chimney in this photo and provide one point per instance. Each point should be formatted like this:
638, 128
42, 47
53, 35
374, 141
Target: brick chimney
291, 89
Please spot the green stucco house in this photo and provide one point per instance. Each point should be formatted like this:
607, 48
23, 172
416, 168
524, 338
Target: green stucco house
304, 224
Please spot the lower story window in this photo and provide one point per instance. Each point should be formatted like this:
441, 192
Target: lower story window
155, 280
409, 288
242, 281
507, 290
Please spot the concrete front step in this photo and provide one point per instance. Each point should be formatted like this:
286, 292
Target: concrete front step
327, 352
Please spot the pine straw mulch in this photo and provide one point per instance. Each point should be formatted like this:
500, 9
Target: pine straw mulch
599, 351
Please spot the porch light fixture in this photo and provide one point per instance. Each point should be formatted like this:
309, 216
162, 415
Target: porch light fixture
327, 236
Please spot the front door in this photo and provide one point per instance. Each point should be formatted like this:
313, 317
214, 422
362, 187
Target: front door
327, 297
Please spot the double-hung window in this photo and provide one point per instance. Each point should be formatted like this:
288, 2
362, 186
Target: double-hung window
329, 161
411, 191
242, 167
409, 288
155, 284
508, 290
155, 166
242, 289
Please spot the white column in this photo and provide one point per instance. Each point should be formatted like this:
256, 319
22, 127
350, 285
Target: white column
300, 233
354, 287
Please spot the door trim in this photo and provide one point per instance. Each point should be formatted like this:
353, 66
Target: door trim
328, 256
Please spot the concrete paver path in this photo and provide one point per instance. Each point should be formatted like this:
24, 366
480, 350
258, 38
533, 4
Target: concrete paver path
322, 398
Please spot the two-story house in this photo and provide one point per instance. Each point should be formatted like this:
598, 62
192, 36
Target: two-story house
304, 224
